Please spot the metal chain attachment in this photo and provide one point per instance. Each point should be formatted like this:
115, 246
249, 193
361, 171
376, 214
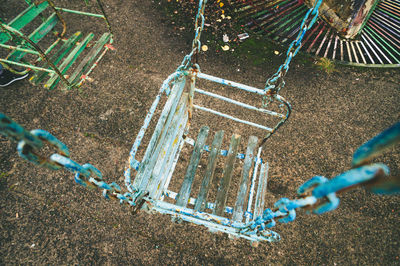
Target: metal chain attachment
29, 144
275, 83
319, 194
196, 44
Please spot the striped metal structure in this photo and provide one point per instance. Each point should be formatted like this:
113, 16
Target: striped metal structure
31, 42
376, 45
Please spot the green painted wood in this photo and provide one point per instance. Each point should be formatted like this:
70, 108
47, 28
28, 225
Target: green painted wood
209, 174
184, 194
56, 58
261, 191
223, 188
24, 18
238, 210
153, 148
172, 138
90, 57
66, 64
35, 37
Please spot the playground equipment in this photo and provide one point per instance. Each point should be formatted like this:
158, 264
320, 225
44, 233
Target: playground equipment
167, 183
52, 61
355, 32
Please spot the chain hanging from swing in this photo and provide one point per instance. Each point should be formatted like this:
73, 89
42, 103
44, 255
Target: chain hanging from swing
196, 43
276, 82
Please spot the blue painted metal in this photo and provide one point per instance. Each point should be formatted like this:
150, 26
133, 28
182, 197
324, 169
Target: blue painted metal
275, 83
318, 194
247, 106
332, 202
29, 144
350, 178
205, 109
9, 128
377, 145
231, 83
321, 189
29, 153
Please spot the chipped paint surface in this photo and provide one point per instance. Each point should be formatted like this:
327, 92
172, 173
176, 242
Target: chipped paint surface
28, 44
346, 17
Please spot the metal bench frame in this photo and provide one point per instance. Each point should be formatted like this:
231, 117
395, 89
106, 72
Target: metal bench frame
54, 61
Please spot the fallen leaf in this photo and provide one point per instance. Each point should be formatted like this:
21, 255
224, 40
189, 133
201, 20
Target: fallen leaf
225, 48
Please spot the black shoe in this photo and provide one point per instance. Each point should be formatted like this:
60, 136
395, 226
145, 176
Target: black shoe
7, 77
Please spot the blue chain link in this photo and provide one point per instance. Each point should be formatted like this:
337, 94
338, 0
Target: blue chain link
29, 144
196, 44
319, 194
275, 83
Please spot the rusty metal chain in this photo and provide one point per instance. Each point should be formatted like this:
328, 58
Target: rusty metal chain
276, 82
30, 143
319, 194
196, 44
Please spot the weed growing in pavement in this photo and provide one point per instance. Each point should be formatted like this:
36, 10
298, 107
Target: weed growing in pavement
326, 65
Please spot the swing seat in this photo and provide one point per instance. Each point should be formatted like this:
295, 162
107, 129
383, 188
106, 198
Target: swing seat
222, 189
60, 52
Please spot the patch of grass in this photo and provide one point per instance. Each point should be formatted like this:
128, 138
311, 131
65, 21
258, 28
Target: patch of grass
256, 49
90, 135
4, 174
326, 65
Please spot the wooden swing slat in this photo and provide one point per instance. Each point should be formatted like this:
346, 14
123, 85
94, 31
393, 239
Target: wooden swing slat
90, 57
165, 154
238, 211
172, 160
68, 61
148, 161
37, 35
56, 58
24, 19
222, 193
261, 190
209, 174
184, 193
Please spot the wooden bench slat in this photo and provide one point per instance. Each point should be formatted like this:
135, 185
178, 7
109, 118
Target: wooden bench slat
222, 193
238, 210
183, 196
209, 174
